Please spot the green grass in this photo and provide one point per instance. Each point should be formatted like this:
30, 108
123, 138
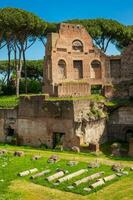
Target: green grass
8, 102
10, 166
97, 98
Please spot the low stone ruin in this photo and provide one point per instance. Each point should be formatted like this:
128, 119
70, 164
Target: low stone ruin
55, 176
94, 164
76, 149
88, 178
115, 148
36, 157
72, 175
117, 168
72, 163
94, 147
19, 153
53, 159
130, 153
41, 174
27, 172
3, 151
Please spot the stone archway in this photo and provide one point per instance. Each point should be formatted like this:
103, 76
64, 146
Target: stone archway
128, 134
96, 69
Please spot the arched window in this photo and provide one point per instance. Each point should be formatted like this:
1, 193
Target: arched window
77, 46
62, 69
96, 71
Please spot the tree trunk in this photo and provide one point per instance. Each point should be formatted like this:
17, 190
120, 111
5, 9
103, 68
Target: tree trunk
17, 80
25, 72
9, 64
18, 72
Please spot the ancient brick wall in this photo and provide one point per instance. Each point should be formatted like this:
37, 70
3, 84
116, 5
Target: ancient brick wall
37, 121
73, 89
120, 124
8, 120
70, 56
127, 63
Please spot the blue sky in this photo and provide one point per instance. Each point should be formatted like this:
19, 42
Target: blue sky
59, 10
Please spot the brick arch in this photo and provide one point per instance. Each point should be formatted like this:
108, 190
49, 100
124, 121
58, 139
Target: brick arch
62, 69
128, 132
96, 69
77, 45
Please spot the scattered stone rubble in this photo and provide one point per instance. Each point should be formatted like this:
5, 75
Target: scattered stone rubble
94, 164
72, 163
19, 153
53, 159
3, 151
117, 168
36, 157
76, 149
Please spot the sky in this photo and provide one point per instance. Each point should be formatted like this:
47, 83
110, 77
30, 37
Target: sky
60, 10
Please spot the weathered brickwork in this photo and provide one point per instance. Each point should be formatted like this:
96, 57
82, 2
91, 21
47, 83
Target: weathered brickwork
120, 125
74, 67
40, 122
73, 64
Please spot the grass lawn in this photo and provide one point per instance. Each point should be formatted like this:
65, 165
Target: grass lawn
13, 187
12, 101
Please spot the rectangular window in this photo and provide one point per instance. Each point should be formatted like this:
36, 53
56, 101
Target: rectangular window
96, 89
78, 69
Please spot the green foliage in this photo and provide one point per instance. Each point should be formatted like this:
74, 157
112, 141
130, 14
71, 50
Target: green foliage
33, 86
95, 98
96, 113
34, 75
8, 101
103, 31
18, 21
34, 69
118, 102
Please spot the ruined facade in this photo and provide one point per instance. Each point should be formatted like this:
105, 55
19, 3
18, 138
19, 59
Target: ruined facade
72, 64
74, 67
38, 121
120, 124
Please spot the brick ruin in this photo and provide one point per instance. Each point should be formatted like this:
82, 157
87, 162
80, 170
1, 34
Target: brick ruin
38, 121
74, 67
